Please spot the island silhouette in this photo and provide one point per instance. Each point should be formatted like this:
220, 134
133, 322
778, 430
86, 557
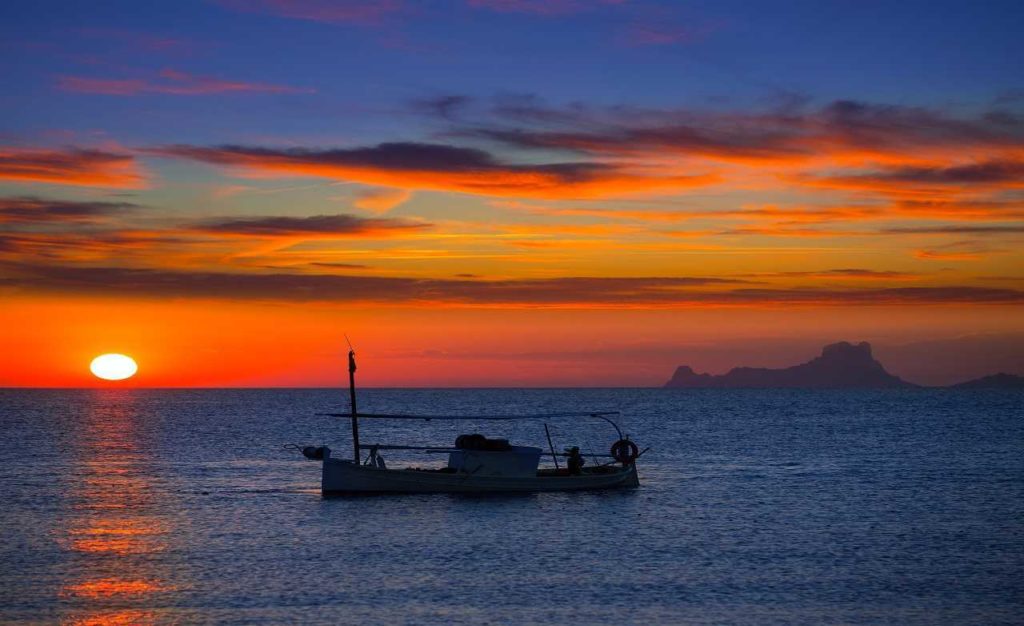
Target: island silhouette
841, 365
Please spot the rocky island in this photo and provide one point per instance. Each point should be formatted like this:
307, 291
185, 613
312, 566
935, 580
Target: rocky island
841, 365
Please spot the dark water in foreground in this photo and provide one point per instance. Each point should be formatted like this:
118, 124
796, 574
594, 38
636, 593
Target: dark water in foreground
762, 507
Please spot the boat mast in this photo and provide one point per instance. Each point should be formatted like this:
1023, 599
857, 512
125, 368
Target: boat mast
352, 399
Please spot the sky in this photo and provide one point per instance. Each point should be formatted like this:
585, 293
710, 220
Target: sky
507, 192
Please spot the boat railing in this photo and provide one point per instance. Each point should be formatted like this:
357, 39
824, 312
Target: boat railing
601, 415
446, 450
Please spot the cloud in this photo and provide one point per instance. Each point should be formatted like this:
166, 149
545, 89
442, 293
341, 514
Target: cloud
172, 82
795, 214
841, 273
891, 160
957, 208
904, 180
545, 8
381, 200
785, 230
79, 232
90, 246
967, 250
989, 172
567, 292
340, 225
652, 32
331, 11
941, 255
446, 107
845, 131
979, 229
680, 139
71, 166
341, 266
35, 210
441, 167
138, 40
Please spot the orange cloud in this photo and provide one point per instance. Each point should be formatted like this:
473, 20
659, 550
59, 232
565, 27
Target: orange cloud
783, 230
899, 159
381, 200
73, 166
808, 214
967, 250
939, 255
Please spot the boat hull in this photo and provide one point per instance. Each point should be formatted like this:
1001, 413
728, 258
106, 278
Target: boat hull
342, 477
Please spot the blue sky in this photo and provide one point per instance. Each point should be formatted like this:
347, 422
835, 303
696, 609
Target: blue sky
364, 71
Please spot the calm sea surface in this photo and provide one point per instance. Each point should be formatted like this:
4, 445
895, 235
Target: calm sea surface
760, 507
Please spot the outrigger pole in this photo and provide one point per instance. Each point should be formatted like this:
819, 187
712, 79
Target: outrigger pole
352, 399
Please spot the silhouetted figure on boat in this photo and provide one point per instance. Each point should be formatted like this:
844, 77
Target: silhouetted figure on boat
575, 461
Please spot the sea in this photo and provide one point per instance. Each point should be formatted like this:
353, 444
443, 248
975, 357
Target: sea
122, 506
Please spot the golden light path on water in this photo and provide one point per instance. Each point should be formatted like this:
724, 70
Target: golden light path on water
117, 528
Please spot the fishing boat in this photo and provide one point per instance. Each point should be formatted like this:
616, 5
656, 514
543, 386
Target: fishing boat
475, 463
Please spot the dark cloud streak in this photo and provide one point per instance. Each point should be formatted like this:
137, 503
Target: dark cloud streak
36, 210
557, 292
340, 224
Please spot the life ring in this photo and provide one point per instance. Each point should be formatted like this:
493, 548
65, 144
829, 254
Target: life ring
625, 451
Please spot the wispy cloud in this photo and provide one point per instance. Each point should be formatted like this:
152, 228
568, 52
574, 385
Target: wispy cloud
71, 166
141, 40
172, 82
967, 250
842, 274
547, 8
94, 232
957, 229
381, 200
35, 210
666, 30
331, 11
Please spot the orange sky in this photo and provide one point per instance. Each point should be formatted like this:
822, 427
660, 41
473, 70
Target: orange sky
214, 343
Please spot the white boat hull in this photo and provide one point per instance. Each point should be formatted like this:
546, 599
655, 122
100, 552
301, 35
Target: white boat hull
342, 477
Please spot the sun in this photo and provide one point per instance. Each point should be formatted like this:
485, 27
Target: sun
113, 366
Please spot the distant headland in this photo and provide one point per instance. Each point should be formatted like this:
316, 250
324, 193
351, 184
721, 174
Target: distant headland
841, 365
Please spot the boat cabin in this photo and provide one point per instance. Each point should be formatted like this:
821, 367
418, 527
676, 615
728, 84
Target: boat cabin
479, 456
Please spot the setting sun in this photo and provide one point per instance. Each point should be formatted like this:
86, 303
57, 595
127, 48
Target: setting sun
113, 366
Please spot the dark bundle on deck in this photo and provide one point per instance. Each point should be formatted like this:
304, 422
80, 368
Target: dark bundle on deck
479, 442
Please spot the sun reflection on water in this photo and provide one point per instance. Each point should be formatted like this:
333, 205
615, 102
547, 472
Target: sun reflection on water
117, 526
116, 618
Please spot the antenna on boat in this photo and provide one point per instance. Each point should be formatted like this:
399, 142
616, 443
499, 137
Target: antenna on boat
352, 399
